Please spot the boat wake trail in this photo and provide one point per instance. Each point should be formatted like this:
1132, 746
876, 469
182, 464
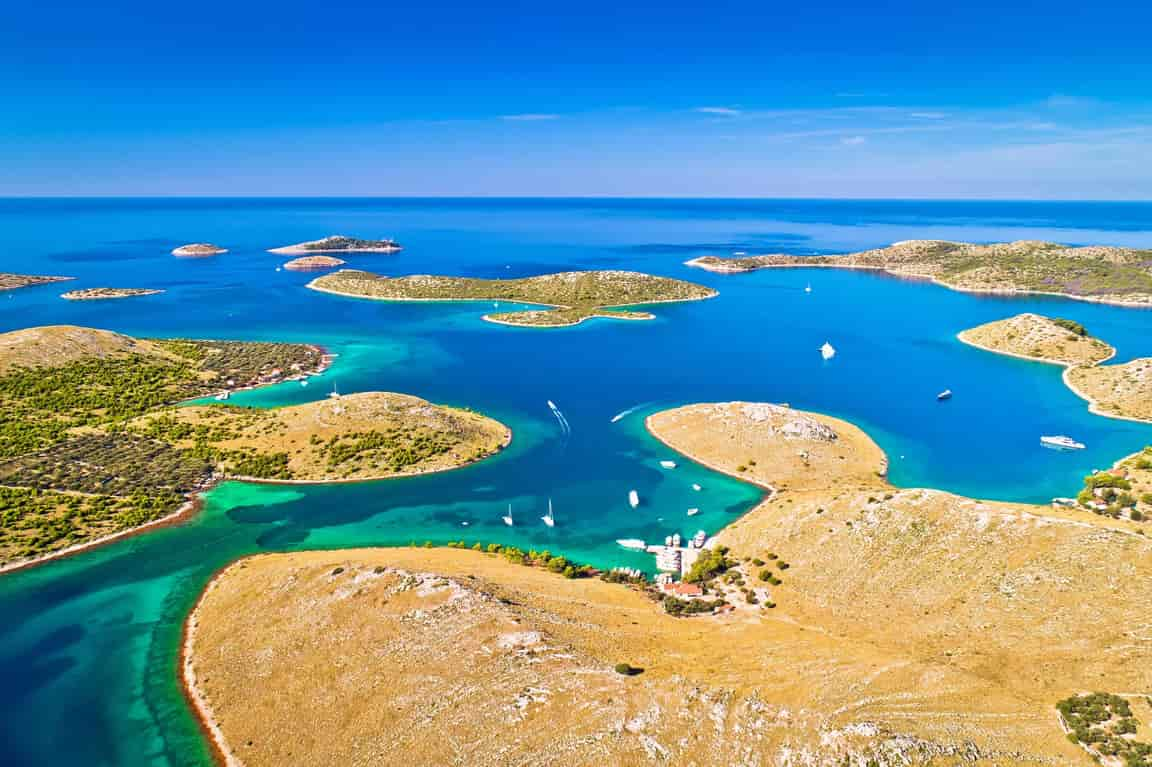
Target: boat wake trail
629, 411
565, 427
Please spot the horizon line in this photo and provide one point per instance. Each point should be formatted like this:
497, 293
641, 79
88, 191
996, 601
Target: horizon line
560, 197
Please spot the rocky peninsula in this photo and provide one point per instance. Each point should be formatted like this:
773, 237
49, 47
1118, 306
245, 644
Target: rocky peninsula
313, 263
338, 243
97, 294
1121, 276
1116, 391
9, 281
90, 447
199, 249
1001, 606
571, 297
1042, 339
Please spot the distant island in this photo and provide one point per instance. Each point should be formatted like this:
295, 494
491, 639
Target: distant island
338, 243
894, 585
1116, 391
89, 447
1121, 276
199, 249
9, 281
311, 263
1043, 339
572, 297
96, 294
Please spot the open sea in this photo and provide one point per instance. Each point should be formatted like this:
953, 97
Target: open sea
88, 644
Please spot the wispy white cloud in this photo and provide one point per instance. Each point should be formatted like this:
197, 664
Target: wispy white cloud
530, 117
853, 140
722, 111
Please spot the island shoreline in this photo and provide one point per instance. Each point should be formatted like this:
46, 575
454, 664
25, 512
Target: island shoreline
1005, 292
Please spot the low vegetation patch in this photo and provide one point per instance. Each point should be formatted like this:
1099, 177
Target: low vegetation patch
1104, 724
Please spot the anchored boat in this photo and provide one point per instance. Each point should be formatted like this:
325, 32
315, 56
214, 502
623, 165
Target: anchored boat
1062, 442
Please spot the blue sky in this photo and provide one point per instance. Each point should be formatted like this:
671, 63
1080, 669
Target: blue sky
730, 99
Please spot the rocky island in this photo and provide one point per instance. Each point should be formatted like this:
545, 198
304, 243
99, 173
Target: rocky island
90, 446
875, 589
96, 294
313, 263
1043, 339
9, 281
199, 249
1121, 276
571, 297
338, 243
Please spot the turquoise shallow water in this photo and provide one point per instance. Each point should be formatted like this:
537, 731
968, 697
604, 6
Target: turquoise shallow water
88, 644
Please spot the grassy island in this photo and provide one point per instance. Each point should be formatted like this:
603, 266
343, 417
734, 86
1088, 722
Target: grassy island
199, 249
96, 294
1120, 276
1006, 608
1044, 339
9, 281
309, 263
338, 243
572, 297
90, 447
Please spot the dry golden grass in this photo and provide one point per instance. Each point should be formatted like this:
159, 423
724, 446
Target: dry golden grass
1034, 337
56, 345
1123, 391
913, 627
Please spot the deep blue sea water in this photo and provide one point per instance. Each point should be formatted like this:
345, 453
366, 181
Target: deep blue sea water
88, 644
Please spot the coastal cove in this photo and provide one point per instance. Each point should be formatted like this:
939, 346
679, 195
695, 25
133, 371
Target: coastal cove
89, 644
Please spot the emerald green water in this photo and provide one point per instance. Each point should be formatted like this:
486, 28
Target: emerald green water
88, 644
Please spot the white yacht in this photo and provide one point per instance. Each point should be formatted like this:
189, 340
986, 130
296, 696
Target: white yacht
222, 396
946, 394
693, 512
549, 518
699, 539
1063, 442
696, 487
668, 464
508, 517
633, 498
631, 543
827, 351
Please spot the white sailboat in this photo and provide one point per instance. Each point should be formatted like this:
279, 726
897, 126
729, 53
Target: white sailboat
508, 517
334, 394
549, 518
633, 498
808, 288
827, 351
